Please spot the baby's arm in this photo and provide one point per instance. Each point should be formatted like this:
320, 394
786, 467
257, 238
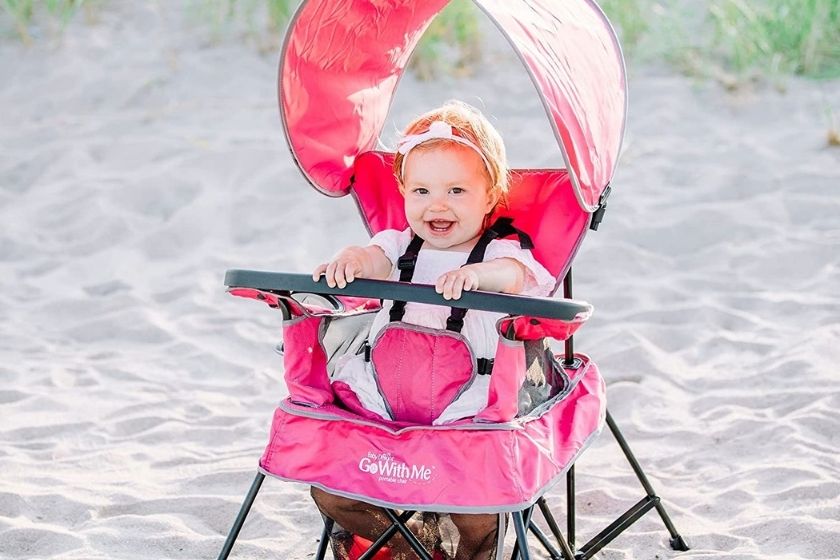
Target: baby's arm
504, 275
355, 262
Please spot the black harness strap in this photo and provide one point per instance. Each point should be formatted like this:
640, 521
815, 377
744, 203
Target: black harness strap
484, 366
501, 228
406, 265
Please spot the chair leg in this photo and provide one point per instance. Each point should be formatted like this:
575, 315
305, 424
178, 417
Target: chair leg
325, 538
526, 518
566, 552
543, 539
415, 544
677, 542
240, 519
570, 507
650, 501
521, 549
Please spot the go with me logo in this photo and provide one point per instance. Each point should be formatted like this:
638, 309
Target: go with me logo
388, 469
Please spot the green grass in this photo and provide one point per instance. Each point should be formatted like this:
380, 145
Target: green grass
733, 40
631, 20
28, 13
262, 21
778, 37
451, 44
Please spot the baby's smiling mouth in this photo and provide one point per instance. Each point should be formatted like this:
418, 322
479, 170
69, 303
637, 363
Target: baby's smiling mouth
440, 226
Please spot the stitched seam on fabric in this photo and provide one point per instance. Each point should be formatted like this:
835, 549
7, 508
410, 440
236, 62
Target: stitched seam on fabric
307, 412
553, 481
400, 400
546, 407
469, 382
515, 479
432, 414
374, 345
290, 322
274, 437
402, 326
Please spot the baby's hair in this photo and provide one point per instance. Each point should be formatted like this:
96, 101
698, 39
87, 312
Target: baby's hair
469, 123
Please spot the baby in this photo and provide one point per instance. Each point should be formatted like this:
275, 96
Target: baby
452, 172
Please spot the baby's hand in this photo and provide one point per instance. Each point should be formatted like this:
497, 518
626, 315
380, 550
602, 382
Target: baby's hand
343, 269
454, 283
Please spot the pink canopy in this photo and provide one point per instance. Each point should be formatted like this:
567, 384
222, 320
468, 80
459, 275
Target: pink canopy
342, 61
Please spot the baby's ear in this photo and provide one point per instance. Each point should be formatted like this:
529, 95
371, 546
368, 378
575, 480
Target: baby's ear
493, 199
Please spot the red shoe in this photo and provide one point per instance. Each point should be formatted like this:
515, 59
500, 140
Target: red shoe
361, 544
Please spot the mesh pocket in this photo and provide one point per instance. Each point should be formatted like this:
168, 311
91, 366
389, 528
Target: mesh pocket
543, 376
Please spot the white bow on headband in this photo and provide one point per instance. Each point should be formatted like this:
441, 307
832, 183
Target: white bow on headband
437, 129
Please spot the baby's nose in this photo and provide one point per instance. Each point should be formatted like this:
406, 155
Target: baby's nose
438, 203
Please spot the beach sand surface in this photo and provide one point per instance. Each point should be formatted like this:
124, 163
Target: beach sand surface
140, 159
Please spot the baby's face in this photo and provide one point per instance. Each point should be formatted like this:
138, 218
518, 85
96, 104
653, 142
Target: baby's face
447, 195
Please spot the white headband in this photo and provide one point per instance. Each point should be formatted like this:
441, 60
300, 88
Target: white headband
437, 129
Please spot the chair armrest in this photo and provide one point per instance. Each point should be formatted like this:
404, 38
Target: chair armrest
282, 285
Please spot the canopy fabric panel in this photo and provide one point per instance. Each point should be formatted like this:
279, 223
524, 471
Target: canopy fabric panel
575, 61
341, 63
343, 59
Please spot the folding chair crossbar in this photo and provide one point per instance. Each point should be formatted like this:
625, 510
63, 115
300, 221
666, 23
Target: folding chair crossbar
522, 522
384, 537
588, 550
677, 542
520, 550
325, 539
240, 519
566, 550
399, 523
521, 519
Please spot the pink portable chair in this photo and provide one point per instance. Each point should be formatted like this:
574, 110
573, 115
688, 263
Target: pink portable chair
340, 66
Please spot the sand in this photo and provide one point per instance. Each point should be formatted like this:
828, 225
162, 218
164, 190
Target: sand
139, 160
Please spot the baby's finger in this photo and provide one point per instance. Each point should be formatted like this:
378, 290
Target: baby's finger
440, 282
449, 285
330, 274
319, 270
350, 272
458, 287
469, 284
340, 281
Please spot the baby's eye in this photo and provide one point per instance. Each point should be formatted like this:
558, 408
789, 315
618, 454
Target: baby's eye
457, 190
420, 190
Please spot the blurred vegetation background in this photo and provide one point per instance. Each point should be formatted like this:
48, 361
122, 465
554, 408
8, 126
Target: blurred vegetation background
731, 41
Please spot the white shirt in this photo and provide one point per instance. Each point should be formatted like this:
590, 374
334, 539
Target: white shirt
479, 326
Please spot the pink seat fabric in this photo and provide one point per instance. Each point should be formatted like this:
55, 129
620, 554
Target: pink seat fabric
461, 467
420, 375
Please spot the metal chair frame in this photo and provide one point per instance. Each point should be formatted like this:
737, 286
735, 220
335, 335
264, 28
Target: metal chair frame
522, 520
